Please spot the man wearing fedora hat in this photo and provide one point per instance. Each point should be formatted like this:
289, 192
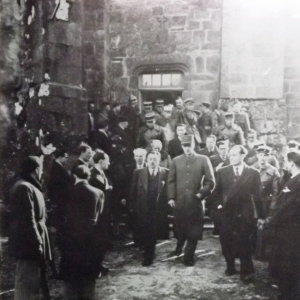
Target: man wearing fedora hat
191, 179
150, 132
207, 122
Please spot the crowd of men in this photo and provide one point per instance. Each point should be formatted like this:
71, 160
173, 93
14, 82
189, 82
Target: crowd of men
149, 165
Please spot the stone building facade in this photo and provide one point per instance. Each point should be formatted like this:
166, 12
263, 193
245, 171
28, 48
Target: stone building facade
76, 51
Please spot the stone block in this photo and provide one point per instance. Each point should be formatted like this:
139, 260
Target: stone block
199, 36
235, 79
295, 86
212, 46
197, 77
157, 11
205, 86
64, 33
214, 37
158, 2
176, 9
199, 64
52, 104
291, 73
90, 20
187, 47
214, 25
134, 82
117, 69
180, 37
210, 3
202, 14
118, 52
242, 92
193, 25
61, 74
178, 21
216, 14
120, 83
94, 5
269, 92
286, 86
64, 54
213, 64
117, 17
65, 91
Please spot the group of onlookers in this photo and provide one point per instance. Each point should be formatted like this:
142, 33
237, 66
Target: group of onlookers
148, 166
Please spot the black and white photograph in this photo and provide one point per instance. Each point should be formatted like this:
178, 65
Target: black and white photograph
150, 149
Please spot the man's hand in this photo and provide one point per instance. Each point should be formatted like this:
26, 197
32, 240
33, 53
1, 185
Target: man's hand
171, 203
123, 201
199, 195
219, 166
260, 223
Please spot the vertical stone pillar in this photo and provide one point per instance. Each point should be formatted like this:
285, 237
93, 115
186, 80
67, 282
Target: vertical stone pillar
52, 64
96, 54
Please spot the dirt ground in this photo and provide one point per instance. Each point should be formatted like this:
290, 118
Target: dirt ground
170, 280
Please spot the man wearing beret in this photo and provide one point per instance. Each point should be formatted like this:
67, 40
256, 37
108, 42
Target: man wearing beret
207, 122
190, 180
150, 132
159, 113
230, 131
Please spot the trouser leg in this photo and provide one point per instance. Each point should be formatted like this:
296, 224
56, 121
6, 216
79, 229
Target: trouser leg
27, 280
247, 266
190, 249
228, 248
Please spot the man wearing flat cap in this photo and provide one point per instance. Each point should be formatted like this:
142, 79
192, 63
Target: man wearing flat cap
269, 177
190, 180
147, 108
207, 122
189, 117
230, 131
159, 113
150, 132
132, 112
241, 119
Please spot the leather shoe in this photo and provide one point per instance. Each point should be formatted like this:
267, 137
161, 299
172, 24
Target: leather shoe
147, 262
247, 278
175, 253
230, 272
188, 262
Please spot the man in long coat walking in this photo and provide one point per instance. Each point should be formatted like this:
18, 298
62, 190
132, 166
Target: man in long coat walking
190, 180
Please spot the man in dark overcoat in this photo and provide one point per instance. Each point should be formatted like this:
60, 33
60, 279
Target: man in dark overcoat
210, 147
28, 240
81, 255
190, 180
148, 197
237, 196
285, 257
58, 188
174, 146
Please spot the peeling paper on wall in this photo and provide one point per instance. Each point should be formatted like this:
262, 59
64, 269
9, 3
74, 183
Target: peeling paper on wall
63, 10
44, 90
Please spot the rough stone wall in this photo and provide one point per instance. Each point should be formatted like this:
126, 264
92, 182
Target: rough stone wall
292, 71
162, 33
96, 51
52, 63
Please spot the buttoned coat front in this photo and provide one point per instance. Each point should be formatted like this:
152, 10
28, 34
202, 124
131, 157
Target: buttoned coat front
188, 177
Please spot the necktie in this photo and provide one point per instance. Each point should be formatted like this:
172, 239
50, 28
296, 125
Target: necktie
237, 174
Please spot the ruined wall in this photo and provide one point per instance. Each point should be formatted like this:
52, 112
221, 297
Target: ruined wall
292, 70
52, 63
162, 33
96, 51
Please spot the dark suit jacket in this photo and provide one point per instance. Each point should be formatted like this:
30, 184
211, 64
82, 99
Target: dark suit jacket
102, 142
216, 160
174, 148
138, 197
59, 182
205, 152
241, 198
82, 246
125, 138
